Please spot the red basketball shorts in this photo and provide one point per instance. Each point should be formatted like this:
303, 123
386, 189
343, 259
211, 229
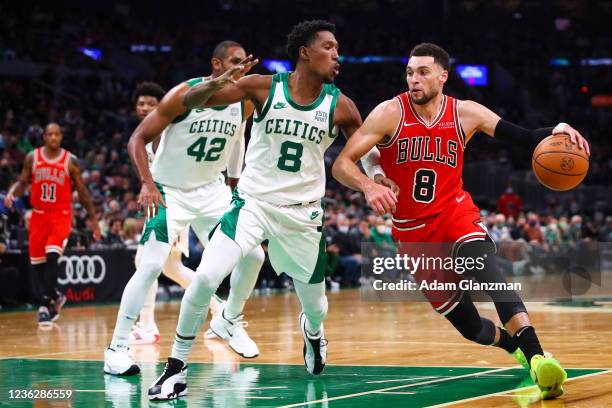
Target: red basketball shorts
439, 236
49, 231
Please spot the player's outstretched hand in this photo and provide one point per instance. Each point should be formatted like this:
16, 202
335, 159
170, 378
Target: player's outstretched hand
9, 200
380, 198
150, 199
385, 181
575, 136
236, 72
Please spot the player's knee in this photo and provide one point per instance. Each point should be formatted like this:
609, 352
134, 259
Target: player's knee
205, 281
256, 257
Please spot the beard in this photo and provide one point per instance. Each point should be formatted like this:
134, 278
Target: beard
423, 99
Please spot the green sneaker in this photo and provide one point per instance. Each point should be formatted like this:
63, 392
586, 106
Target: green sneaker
548, 375
520, 358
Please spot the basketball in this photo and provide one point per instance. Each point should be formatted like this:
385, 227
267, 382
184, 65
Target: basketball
559, 164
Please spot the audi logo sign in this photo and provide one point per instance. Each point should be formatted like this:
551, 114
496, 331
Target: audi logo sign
82, 269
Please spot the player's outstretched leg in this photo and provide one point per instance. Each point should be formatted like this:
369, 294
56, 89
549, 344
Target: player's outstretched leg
314, 310
116, 358
546, 372
229, 323
219, 257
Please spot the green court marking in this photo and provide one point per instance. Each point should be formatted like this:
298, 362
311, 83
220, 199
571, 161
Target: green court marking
266, 385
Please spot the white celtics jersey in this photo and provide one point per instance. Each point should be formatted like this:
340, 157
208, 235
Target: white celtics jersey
150, 153
284, 159
193, 149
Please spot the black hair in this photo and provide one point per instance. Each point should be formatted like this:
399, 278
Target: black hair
148, 89
220, 50
439, 55
303, 33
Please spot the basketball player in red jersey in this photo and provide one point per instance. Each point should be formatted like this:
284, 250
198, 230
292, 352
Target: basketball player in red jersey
52, 171
421, 135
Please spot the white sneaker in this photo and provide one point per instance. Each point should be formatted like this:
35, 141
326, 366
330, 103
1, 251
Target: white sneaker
216, 305
315, 349
216, 308
233, 331
140, 335
172, 383
118, 362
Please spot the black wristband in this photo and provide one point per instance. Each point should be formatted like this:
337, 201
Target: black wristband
519, 135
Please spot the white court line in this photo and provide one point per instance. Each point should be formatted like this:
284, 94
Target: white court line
502, 393
256, 397
59, 353
248, 388
397, 387
396, 392
406, 379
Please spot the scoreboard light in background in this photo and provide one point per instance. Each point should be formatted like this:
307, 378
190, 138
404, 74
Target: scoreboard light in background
277, 65
473, 75
93, 53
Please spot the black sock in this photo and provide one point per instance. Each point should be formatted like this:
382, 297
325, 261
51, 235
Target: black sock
528, 342
51, 273
38, 284
506, 341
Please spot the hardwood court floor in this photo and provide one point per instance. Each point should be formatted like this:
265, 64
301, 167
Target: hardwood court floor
380, 354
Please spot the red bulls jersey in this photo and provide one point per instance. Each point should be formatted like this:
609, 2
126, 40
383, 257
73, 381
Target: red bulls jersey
51, 185
425, 160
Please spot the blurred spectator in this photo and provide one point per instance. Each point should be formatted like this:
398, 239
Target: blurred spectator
113, 237
509, 203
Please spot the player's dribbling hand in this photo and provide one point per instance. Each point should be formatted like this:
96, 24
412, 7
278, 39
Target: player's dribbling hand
575, 136
380, 198
9, 200
236, 72
385, 181
150, 199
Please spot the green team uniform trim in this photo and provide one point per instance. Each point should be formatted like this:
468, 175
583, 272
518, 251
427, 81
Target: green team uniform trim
284, 78
319, 272
229, 221
158, 223
191, 82
266, 108
335, 92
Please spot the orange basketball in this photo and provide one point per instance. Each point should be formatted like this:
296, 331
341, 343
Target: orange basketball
559, 164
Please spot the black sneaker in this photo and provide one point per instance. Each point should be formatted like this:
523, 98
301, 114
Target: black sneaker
44, 318
55, 307
172, 383
315, 349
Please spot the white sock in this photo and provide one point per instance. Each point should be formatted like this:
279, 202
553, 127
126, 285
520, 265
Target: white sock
147, 314
243, 279
314, 304
175, 270
154, 255
219, 257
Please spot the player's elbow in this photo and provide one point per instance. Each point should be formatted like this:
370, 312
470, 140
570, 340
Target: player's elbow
338, 168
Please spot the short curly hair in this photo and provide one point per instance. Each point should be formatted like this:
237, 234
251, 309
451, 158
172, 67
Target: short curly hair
148, 89
303, 33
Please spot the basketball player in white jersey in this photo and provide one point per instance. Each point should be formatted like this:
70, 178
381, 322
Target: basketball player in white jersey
279, 194
146, 98
185, 186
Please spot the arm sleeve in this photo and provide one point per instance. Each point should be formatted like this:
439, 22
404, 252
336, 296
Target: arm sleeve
235, 158
371, 163
527, 138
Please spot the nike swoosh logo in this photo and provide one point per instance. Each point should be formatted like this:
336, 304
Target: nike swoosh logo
279, 105
314, 215
410, 124
460, 199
